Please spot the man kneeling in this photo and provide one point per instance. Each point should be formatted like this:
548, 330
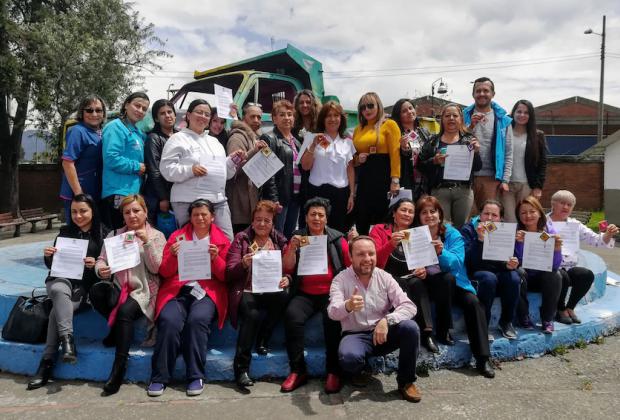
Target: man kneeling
361, 298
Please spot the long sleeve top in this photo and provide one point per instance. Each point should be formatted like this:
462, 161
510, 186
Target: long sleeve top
156, 185
382, 295
388, 142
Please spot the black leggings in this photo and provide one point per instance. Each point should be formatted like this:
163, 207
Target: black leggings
579, 279
549, 284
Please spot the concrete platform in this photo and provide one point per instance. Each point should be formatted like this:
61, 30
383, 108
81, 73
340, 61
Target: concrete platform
22, 268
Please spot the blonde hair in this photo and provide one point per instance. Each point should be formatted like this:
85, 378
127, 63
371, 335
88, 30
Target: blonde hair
130, 199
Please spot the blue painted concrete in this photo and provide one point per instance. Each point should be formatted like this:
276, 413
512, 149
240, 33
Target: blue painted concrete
21, 269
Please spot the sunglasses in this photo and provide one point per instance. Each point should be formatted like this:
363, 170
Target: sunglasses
93, 111
256, 104
364, 107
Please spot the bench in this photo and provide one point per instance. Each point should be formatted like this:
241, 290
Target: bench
36, 215
7, 219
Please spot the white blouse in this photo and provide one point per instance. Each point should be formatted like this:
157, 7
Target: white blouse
330, 164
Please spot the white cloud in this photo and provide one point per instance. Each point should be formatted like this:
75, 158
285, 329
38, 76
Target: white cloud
409, 35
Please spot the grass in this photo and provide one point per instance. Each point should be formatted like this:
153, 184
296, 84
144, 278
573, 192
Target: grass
596, 217
560, 350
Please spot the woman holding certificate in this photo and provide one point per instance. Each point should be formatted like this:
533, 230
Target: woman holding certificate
421, 286
578, 278
197, 165
449, 161
448, 244
187, 302
246, 305
533, 249
329, 158
132, 292
83, 238
319, 253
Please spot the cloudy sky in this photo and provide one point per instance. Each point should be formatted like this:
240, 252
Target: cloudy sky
531, 49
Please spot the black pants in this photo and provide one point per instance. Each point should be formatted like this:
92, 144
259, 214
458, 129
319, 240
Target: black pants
238, 227
549, 284
123, 328
579, 279
251, 327
371, 202
475, 322
338, 198
111, 215
300, 309
437, 288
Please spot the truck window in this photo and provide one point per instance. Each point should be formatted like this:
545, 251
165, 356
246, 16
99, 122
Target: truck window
270, 91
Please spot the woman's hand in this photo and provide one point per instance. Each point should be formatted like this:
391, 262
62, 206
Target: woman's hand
294, 243
439, 158
141, 233
283, 282
438, 246
213, 251
537, 192
353, 233
105, 272
480, 230
142, 169
404, 143
260, 144
89, 262
420, 273
512, 263
475, 144
558, 242
199, 170
503, 187
174, 248
239, 156
362, 157
611, 231
234, 111
350, 203
520, 236
396, 238
48, 251
394, 188
246, 260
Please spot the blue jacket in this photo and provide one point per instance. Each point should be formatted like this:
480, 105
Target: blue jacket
502, 121
452, 258
123, 152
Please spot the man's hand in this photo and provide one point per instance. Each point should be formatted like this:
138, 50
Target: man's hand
355, 303
379, 335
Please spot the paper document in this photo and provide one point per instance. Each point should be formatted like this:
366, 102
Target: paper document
458, 164
402, 193
122, 254
266, 271
223, 99
261, 167
569, 233
538, 254
419, 251
215, 180
194, 260
68, 260
499, 243
308, 139
313, 257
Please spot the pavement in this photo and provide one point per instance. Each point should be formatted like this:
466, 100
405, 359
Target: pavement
573, 383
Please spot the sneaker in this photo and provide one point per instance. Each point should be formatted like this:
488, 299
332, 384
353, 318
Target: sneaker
507, 330
490, 337
194, 388
547, 327
526, 323
155, 389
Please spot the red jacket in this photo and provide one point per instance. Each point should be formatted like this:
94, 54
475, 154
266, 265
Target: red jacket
381, 234
215, 287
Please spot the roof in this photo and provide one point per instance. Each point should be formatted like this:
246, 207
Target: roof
599, 149
573, 100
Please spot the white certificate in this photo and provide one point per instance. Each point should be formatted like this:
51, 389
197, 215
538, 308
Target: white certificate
308, 139
499, 245
402, 193
266, 271
419, 251
122, 254
223, 99
69, 257
458, 164
538, 254
569, 233
215, 180
260, 168
194, 260
313, 257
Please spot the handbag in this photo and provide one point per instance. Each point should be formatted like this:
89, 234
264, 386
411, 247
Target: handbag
27, 322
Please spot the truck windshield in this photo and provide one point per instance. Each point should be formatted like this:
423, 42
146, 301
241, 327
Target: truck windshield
203, 89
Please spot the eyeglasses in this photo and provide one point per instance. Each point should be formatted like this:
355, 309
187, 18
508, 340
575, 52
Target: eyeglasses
202, 113
369, 106
93, 111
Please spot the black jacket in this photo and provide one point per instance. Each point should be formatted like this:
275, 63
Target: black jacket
434, 173
334, 253
473, 251
95, 243
536, 173
279, 188
155, 185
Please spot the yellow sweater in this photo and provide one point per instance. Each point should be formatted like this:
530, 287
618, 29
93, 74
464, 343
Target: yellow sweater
389, 142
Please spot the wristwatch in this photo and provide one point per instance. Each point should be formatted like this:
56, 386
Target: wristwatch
390, 320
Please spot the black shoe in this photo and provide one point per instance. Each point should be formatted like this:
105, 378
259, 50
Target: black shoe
69, 354
429, 342
262, 347
485, 368
445, 339
43, 375
563, 319
243, 380
507, 330
117, 375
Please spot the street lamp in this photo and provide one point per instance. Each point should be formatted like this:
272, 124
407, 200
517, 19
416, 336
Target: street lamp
600, 101
441, 90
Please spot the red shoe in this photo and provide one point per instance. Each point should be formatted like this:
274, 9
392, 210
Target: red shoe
293, 381
332, 384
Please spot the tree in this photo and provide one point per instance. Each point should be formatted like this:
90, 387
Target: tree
54, 52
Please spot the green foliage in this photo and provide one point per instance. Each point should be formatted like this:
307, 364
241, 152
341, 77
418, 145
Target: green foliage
581, 344
560, 350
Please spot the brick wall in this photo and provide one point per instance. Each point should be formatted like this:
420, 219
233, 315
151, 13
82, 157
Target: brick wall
584, 179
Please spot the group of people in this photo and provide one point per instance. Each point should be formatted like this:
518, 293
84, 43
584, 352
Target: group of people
331, 185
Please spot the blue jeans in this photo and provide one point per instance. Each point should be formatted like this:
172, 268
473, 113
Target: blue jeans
504, 284
286, 222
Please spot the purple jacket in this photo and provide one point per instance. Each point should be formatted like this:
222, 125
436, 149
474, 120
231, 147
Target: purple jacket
557, 255
237, 275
